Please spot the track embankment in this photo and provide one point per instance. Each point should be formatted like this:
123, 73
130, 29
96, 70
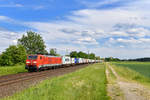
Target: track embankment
11, 84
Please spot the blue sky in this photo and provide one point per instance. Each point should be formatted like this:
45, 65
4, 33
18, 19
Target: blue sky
118, 28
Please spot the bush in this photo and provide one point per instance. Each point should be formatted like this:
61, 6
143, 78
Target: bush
13, 55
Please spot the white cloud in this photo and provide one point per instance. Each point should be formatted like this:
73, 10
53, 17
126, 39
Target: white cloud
7, 38
119, 33
134, 41
16, 5
131, 40
11, 5
121, 52
104, 19
139, 32
5, 18
87, 41
121, 46
38, 7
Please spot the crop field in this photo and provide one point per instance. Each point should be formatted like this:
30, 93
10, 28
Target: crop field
141, 67
134, 71
85, 84
6, 70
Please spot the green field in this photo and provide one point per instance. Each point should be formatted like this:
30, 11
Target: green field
85, 84
134, 71
141, 67
6, 70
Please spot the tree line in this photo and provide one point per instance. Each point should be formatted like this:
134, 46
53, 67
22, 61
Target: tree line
32, 43
112, 59
145, 59
81, 54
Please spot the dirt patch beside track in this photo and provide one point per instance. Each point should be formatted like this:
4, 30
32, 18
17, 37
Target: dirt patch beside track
11, 84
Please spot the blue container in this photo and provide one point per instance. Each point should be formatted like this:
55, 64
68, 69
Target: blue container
76, 60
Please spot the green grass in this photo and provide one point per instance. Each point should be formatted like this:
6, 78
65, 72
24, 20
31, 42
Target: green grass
136, 71
141, 67
85, 84
6, 70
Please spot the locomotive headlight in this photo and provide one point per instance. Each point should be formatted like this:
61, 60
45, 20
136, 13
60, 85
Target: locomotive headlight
34, 62
27, 62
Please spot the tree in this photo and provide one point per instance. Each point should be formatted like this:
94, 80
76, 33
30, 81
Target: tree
112, 59
91, 56
74, 54
82, 55
21, 54
97, 58
33, 43
13, 55
53, 52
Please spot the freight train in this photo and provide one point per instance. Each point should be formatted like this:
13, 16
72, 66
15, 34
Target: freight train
41, 62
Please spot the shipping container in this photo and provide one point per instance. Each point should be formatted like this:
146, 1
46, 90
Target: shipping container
80, 60
76, 60
66, 60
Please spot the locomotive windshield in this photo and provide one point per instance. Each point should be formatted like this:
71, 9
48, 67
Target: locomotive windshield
32, 57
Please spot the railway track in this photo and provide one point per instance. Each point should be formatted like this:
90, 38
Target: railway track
28, 76
21, 79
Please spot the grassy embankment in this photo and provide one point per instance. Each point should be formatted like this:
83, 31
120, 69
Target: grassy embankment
134, 71
6, 70
85, 84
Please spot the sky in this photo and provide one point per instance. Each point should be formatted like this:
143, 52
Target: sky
108, 28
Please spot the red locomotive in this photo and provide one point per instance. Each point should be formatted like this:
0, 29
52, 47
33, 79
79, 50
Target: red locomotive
39, 62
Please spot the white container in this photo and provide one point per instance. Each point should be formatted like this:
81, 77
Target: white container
93, 61
90, 60
80, 60
66, 60
84, 60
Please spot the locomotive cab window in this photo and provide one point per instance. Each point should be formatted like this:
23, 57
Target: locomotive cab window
32, 57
